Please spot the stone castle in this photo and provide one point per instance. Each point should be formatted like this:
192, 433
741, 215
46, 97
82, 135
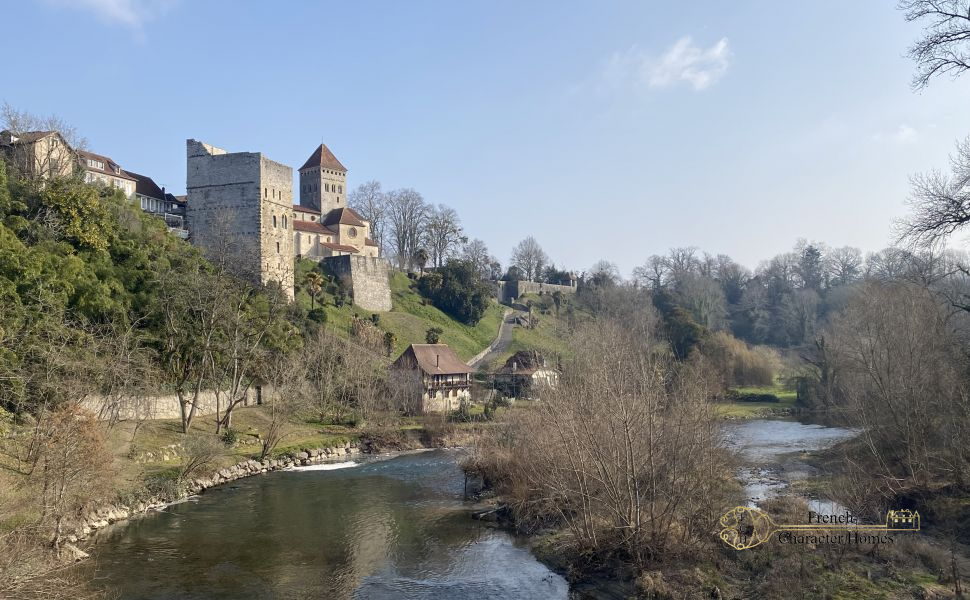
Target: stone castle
241, 211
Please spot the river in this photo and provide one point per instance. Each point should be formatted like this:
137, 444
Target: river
769, 450
383, 528
378, 528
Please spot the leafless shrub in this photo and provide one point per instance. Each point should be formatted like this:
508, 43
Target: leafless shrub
625, 453
199, 452
737, 363
904, 378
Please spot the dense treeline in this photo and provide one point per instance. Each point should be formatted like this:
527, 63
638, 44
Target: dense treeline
103, 311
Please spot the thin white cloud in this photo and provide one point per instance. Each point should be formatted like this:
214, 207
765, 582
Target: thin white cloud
129, 13
683, 63
904, 134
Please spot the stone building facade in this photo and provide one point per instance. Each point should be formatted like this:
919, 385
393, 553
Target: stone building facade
323, 181
324, 226
239, 210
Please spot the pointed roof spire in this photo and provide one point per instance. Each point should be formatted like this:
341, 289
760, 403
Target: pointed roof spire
323, 157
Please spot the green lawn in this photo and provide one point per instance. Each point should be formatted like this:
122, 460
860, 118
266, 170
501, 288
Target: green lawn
752, 410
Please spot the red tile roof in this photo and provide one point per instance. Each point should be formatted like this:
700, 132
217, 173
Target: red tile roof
370, 242
312, 227
323, 157
340, 247
344, 216
433, 359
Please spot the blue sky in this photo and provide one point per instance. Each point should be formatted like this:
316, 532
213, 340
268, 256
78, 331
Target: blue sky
607, 130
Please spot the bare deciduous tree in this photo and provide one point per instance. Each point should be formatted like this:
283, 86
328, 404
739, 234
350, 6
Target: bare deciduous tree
625, 452
443, 234
904, 377
530, 258
844, 265
652, 273
945, 45
939, 203
407, 213
476, 254
368, 200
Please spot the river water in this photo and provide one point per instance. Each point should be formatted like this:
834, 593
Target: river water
769, 450
378, 528
383, 528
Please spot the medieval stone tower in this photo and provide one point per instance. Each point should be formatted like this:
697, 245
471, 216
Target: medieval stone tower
323, 181
239, 211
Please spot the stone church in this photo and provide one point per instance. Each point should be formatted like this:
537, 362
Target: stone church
323, 224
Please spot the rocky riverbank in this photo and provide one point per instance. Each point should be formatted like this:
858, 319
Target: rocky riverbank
108, 514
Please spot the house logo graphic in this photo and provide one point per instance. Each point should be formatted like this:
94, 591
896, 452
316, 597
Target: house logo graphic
744, 527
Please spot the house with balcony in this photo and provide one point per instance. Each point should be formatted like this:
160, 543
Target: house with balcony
435, 379
156, 201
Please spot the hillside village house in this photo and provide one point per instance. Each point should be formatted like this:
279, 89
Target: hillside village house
439, 380
38, 154
323, 224
101, 169
46, 154
155, 200
525, 375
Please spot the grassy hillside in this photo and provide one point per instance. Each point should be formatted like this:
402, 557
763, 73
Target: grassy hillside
410, 318
550, 335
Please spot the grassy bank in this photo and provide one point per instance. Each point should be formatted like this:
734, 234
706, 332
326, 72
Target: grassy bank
757, 410
410, 318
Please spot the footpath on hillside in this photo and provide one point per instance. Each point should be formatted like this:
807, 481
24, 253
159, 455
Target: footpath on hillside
501, 343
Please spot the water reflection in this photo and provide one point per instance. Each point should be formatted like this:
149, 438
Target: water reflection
384, 529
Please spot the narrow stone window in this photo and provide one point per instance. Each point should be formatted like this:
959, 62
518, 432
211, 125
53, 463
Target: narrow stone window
277, 247
274, 221
265, 192
284, 221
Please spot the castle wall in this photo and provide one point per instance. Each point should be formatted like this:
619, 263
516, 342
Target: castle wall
232, 199
366, 277
276, 223
506, 291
